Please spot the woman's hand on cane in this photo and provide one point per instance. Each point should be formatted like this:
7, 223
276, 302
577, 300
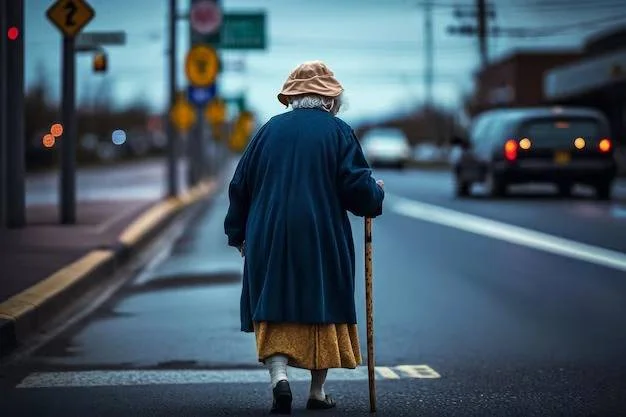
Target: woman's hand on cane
381, 184
242, 249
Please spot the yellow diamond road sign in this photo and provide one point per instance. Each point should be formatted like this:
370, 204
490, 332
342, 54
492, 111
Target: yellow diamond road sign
201, 66
183, 115
70, 16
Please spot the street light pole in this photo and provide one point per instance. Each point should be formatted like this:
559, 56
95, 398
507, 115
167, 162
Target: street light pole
172, 133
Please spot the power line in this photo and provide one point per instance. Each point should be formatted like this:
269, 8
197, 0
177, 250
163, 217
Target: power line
536, 32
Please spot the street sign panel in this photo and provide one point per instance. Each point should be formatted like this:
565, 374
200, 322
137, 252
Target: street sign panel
201, 66
200, 96
205, 17
238, 31
70, 16
182, 115
101, 38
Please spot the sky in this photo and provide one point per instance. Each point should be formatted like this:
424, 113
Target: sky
375, 48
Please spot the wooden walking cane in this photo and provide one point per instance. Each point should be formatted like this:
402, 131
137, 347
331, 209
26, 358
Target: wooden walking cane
370, 313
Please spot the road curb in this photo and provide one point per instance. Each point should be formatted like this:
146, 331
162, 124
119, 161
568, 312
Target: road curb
24, 313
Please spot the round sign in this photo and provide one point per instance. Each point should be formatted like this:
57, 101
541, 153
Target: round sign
201, 66
205, 17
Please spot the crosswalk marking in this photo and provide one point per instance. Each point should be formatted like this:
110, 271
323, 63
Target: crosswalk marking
387, 373
419, 371
162, 377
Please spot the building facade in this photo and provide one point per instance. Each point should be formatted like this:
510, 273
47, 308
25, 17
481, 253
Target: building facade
516, 80
596, 80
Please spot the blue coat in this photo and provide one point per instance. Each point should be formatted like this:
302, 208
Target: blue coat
289, 198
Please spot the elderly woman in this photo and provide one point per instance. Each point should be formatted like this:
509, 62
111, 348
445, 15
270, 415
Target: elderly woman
289, 198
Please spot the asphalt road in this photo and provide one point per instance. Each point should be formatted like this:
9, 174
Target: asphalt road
473, 317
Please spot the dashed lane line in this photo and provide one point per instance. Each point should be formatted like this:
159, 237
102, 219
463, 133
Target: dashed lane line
507, 232
172, 377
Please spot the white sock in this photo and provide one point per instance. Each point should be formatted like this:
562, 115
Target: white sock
277, 365
318, 377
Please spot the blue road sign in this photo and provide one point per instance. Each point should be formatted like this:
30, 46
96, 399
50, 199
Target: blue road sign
200, 96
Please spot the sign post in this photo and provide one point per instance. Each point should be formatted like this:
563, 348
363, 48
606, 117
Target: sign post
70, 17
202, 68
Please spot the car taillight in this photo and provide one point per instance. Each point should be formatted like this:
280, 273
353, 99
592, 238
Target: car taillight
604, 145
510, 150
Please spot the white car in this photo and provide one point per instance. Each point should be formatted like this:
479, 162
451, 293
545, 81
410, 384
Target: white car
386, 147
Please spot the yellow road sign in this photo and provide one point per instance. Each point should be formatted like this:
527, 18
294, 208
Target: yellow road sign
201, 66
70, 16
242, 132
183, 115
215, 111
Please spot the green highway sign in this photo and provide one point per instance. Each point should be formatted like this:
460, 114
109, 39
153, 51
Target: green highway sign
240, 30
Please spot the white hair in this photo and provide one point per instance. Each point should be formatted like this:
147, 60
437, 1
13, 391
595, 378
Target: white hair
315, 101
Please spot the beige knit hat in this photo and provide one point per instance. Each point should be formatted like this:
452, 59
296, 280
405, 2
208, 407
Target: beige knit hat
310, 77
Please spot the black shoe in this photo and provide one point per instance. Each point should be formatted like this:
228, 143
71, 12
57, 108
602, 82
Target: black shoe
282, 398
325, 404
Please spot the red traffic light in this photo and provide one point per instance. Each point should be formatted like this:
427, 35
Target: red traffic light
13, 33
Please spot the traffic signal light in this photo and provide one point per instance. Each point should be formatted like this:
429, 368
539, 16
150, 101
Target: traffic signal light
13, 33
100, 62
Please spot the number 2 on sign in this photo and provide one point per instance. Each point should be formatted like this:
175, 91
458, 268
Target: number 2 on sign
71, 9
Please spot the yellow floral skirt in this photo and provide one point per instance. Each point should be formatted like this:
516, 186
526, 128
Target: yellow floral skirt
310, 346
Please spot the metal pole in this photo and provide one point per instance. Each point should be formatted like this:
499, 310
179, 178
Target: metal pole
369, 306
3, 112
15, 144
428, 51
172, 133
482, 31
68, 142
194, 149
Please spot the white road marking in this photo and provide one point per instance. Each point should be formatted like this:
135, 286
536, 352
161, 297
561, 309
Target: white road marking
386, 372
507, 232
418, 371
162, 377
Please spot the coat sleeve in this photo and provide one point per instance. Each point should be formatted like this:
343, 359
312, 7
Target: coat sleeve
239, 197
357, 188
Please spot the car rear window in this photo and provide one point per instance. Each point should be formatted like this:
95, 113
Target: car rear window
561, 132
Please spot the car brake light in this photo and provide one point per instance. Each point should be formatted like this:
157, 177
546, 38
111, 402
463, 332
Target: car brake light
604, 145
510, 150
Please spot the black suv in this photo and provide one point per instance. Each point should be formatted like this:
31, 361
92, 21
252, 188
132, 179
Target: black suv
558, 145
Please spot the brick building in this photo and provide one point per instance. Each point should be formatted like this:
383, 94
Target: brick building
516, 80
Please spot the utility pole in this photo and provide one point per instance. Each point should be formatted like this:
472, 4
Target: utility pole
481, 16
428, 51
172, 133
14, 113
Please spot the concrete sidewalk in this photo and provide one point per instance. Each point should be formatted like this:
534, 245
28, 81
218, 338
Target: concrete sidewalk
46, 265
